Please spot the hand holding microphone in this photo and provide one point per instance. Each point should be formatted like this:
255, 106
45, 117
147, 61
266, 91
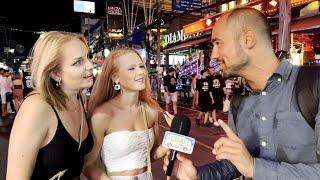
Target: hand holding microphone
177, 140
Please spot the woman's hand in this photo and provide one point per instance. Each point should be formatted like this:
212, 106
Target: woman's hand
168, 117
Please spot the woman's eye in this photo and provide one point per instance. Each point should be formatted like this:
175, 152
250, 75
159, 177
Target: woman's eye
142, 66
130, 69
78, 62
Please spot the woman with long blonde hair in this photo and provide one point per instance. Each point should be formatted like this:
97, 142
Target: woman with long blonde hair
50, 135
124, 119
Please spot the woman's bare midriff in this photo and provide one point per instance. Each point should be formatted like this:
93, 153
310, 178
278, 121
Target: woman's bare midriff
129, 172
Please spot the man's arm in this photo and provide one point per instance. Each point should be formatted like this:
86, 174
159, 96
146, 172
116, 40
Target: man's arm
223, 170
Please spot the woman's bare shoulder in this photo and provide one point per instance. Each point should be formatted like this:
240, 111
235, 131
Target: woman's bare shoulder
34, 113
151, 112
102, 115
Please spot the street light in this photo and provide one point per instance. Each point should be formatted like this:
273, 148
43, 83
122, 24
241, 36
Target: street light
273, 3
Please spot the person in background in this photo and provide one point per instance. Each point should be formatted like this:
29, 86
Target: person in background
170, 94
217, 84
4, 112
205, 98
9, 92
194, 91
17, 91
154, 86
50, 135
124, 120
6, 92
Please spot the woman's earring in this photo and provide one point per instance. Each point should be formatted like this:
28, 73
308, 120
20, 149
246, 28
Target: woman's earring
58, 83
117, 86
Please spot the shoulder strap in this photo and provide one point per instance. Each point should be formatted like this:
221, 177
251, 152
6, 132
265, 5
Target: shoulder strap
55, 112
307, 92
84, 109
148, 139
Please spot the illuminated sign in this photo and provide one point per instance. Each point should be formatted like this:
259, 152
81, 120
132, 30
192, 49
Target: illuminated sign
184, 5
178, 36
199, 26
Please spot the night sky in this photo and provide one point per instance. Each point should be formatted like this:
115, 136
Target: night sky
29, 16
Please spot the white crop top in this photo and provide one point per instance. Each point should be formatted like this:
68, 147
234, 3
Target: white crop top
126, 150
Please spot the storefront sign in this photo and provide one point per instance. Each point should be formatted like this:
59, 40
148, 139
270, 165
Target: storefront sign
115, 10
184, 5
178, 36
114, 17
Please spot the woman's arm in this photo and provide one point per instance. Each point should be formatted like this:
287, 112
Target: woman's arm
28, 134
98, 125
158, 151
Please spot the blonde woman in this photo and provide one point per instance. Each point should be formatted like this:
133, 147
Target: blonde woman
50, 134
124, 120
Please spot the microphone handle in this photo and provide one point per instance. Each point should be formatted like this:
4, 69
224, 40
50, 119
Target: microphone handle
172, 157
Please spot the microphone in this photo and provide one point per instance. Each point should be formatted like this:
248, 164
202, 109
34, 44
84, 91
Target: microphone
180, 125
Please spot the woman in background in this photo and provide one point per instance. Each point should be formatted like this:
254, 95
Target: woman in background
17, 91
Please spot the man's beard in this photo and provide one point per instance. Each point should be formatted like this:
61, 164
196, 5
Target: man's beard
235, 69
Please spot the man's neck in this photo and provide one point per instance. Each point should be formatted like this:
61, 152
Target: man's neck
258, 73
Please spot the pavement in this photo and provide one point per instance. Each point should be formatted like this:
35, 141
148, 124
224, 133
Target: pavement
5, 129
205, 138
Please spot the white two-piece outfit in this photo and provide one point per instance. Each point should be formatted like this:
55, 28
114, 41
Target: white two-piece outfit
128, 150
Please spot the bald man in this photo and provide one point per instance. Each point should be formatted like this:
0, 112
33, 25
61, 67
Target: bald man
267, 137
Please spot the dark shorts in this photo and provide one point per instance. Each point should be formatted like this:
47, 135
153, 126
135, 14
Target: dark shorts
206, 107
218, 104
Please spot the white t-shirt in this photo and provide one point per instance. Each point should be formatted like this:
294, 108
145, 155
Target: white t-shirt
5, 85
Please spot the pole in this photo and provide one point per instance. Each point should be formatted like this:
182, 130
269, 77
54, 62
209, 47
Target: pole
158, 61
284, 25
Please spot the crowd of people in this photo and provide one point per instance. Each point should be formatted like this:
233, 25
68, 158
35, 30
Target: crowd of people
58, 133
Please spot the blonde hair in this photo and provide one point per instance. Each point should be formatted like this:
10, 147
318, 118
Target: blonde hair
46, 56
103, 89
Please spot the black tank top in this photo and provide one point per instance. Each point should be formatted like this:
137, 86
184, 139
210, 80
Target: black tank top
62, 154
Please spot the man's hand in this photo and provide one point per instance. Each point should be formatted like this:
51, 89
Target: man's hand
183, 167
233, 149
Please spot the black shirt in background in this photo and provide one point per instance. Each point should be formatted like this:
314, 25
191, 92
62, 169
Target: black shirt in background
217, 84
170, 82
204, 87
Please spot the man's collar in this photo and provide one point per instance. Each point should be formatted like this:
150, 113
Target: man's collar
284, 69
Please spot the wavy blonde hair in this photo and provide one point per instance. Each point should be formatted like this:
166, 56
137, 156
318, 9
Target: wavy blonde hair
103, 89
46, 55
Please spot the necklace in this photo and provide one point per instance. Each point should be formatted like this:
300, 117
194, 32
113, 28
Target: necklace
75, 106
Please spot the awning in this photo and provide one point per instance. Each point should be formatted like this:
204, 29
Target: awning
187, 44
301, 24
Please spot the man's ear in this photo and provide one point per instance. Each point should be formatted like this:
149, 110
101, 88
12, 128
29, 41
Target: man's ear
248, 39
